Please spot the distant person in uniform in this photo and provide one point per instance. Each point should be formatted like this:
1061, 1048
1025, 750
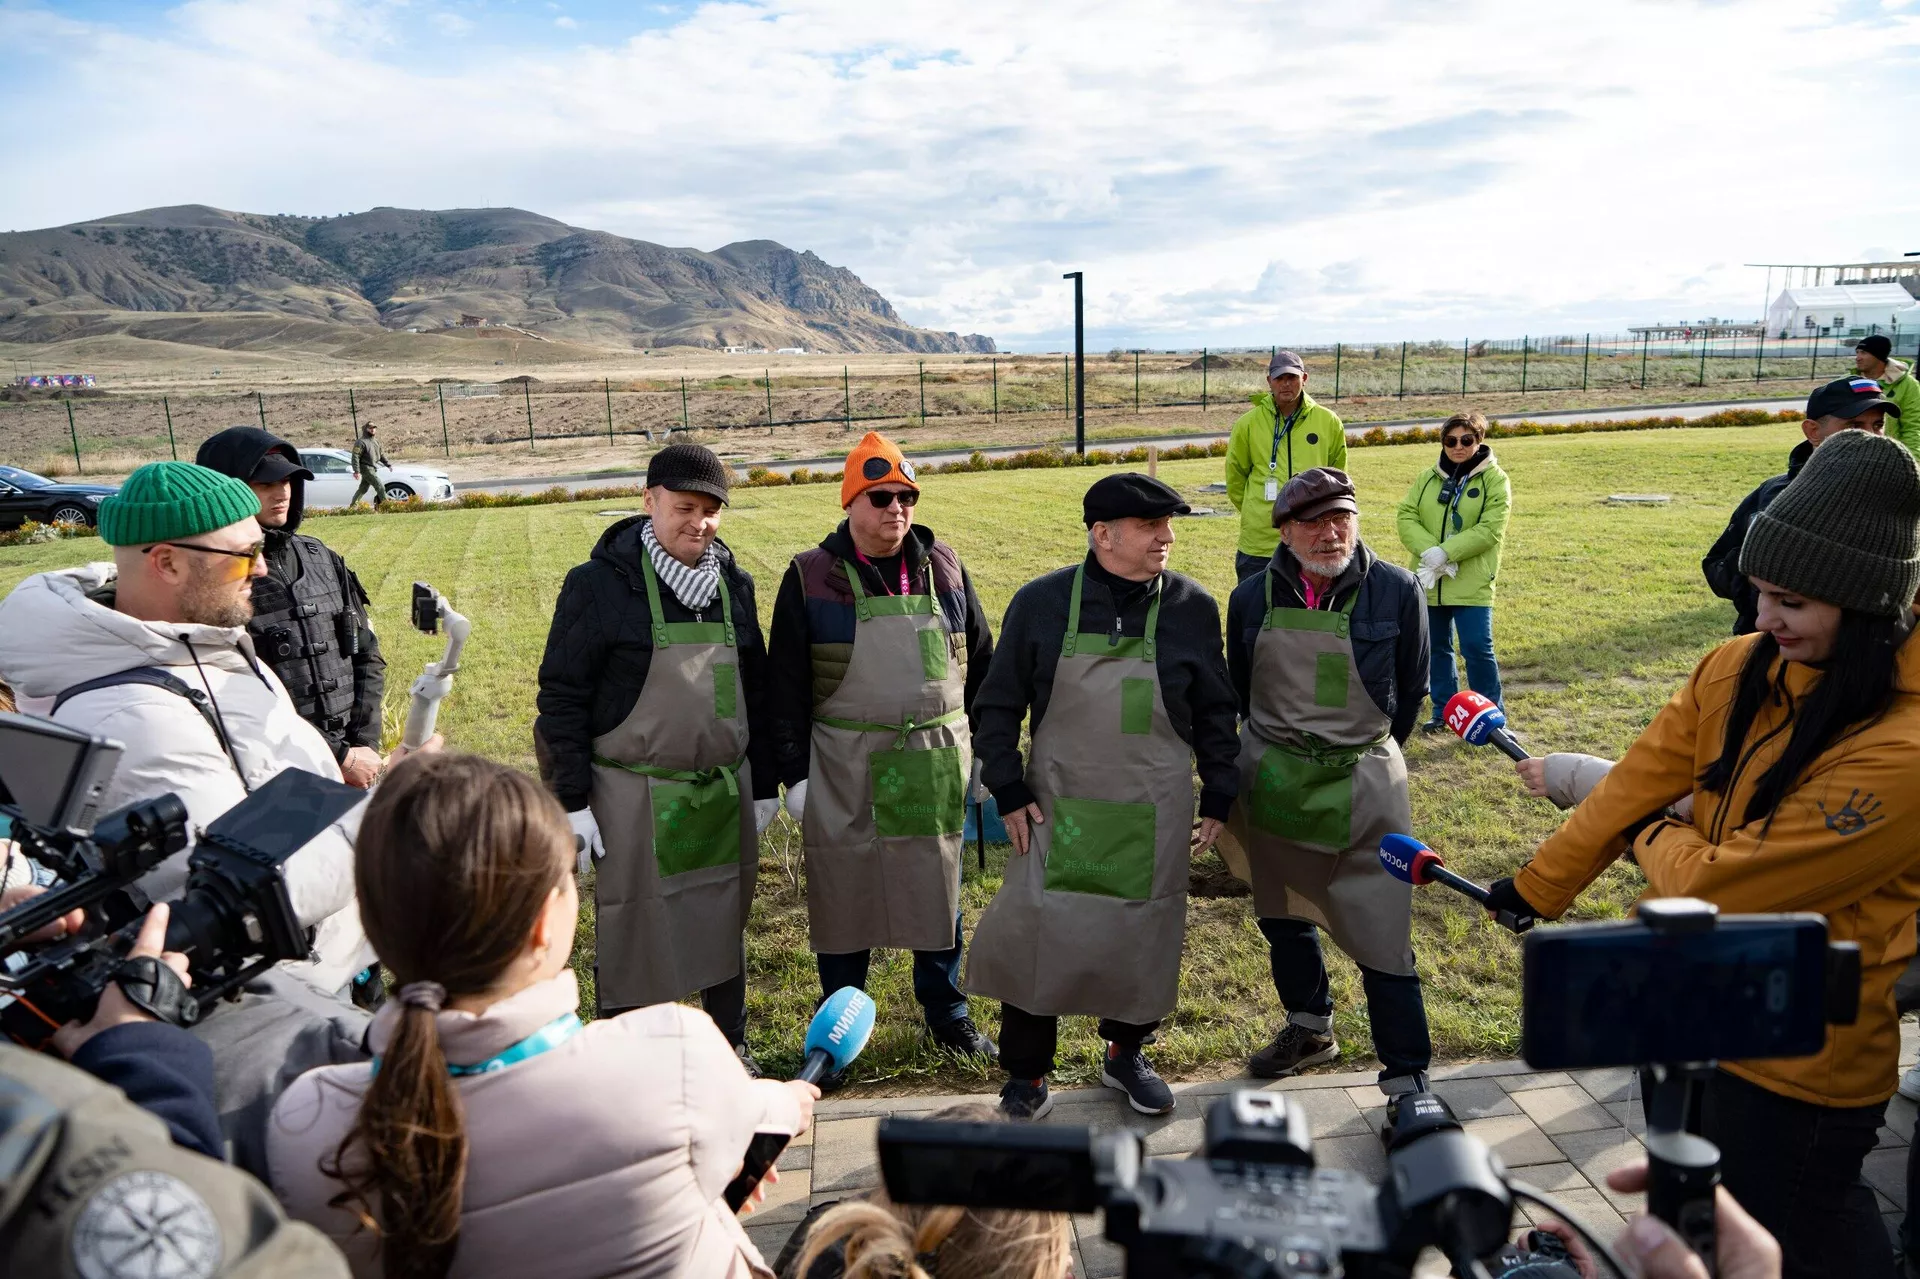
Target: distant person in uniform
1283, 434
368, 459
1873, 356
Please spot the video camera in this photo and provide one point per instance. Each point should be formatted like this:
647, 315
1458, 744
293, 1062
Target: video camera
1672, 991
234, 919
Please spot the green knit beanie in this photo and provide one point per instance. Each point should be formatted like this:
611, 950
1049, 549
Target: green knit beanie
1847, 530
166, 501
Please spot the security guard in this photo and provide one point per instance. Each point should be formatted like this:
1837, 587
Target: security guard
1119, 662
1283, 434
309, 612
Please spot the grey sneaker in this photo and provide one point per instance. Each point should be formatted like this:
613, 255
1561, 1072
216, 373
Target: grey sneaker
1292, 1051
746, 1059
1133, 1075
1025, 1099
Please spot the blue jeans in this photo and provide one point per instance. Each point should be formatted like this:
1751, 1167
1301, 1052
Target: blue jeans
1245, 565
1475, 624
936, 978
1394, 1003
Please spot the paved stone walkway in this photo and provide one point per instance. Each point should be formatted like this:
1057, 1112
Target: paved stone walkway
1560, 1131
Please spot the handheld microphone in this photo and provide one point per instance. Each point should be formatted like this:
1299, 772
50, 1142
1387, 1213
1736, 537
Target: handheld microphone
1477, 721
1409, 860
840, 1029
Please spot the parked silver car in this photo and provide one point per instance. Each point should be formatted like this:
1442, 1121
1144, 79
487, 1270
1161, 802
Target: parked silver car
334, 479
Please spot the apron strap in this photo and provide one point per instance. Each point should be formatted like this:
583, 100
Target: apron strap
1068, 644
901, 731
660, 633
728, 773
861, 608
1326, 754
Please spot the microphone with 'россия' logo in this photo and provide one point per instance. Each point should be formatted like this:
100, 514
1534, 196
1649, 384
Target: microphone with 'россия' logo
1409, 860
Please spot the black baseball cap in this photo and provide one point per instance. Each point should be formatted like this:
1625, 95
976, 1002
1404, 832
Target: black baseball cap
689, 468
1131, 495
1876, 345
1848, 397
277, 466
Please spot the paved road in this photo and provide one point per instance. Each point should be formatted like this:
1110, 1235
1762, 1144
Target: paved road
536, 483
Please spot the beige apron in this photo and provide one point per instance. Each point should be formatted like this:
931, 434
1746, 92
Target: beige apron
886, 785
1091, 921
674, 800
1321, 782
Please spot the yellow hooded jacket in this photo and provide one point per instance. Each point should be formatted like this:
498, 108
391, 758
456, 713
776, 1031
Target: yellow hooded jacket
1842, 845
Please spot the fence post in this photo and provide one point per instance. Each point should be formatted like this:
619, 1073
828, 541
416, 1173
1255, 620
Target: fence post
261, 401
1203, 379
1646, 339
1136, 381
606, 384
1586, 356
1465, 343
923, 392
1703, 361
1813, 360
1066, 385
74, 435
685, 425
171, 446
446, 445
1403, 370
846, 399
1526, 344
767, 374
1336, 372
996, 391
353, 413
526, 394
1759, 349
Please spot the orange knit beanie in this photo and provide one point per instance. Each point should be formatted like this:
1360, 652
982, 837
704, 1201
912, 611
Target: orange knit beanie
875, 460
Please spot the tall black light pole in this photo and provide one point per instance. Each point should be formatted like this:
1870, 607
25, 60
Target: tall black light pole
1079, 365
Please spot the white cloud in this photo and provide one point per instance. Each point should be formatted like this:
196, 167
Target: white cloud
452, 24
565, 23
1224, 171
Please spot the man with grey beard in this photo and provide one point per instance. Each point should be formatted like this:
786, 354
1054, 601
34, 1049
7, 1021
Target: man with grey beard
1327, 650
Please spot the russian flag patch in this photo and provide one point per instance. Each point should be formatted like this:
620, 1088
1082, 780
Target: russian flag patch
1864, 386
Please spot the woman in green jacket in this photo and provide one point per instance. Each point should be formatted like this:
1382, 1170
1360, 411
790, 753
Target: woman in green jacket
1453, 521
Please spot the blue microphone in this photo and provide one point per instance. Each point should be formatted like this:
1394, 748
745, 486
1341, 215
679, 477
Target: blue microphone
839, 1031
1410, 860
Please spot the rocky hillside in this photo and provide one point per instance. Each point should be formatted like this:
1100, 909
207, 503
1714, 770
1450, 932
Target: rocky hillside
424, 269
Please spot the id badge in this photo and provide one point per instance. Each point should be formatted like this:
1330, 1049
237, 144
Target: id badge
1273, 489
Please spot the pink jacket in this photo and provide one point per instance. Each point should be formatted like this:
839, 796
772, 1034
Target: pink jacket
606, 1155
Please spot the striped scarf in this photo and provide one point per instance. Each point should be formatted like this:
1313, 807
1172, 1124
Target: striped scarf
696, 586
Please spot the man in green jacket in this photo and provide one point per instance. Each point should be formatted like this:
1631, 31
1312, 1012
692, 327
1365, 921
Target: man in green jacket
368, 459
1283, 434
1873, 356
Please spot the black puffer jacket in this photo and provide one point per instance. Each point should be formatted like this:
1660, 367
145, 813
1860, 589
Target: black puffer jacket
599, 650
1721, 567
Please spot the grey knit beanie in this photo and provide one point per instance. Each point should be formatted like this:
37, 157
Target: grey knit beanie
1847, 530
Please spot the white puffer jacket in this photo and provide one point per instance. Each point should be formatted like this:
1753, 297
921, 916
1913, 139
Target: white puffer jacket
54, 634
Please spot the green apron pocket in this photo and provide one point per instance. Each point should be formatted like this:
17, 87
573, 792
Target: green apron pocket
1329, 679
695, 825
1136, 705
918, 792
1101, 847
933, 653
726, 690
1300, 800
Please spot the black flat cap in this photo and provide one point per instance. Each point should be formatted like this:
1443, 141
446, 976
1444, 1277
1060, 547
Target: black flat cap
1131, 495
689, 468
1313, 493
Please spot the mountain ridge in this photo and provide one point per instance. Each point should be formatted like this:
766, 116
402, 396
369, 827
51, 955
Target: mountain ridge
426, 269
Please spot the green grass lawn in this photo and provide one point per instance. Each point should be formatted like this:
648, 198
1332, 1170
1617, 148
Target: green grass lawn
1602, 612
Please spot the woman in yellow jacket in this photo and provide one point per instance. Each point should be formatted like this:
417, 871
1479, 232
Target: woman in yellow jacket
1797, 746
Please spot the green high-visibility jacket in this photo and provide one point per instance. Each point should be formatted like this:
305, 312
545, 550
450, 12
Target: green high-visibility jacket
1469, 529
1315, 438
1900, 387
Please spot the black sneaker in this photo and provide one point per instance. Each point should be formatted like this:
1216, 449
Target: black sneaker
1433, 726
961, 1036
746, 1059
1025, 1099
1132, 1075
1292, 1051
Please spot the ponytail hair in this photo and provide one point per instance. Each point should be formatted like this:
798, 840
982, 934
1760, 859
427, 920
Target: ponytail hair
454, 864
885, 1240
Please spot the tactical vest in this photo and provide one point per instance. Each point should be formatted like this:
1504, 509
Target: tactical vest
308, 630
830, 611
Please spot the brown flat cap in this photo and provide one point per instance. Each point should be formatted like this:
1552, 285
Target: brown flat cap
1313, 493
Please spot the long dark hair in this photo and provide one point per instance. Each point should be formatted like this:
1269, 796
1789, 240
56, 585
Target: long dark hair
1856, 688
454, 863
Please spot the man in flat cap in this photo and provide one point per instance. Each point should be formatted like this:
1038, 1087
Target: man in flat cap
1327, 649
1283, 434
1118, 662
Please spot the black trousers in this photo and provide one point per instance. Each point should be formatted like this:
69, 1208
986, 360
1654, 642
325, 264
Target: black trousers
1395, 1006
1028, 1040
1245, 565
1796, 1167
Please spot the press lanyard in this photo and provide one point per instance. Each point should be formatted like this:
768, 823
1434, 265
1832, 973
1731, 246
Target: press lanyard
1281, 433
548, 1037
906, 587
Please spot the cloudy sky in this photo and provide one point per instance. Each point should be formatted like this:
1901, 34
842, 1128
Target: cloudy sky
1224, 172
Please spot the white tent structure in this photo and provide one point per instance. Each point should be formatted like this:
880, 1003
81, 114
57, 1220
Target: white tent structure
1841, 310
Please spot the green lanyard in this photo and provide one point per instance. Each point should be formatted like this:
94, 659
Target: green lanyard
666, 634
1071, 642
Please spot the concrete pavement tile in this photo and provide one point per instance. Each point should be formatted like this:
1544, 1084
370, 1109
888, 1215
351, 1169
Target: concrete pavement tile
1102, 1259
1886, 1171
1596, 1154
1364, 1155
1544, 1079
1553, 1178
770, 1237
795, 1157
1475, 1098
787, 1200
844, 1156
1629, 1115
1516, 1139
1330, 1113
1900, 1113
1886, 1205
1569, 1108
1909, 1040
1481, 1070
805, 1139
1589, 1206
1318, 1079
1609, 1083
1888, 1139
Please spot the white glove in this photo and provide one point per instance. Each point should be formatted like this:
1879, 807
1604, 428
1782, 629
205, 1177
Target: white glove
797, 800
764, 811
1452, 570
587, 834
1433, 558
1427, 577
976, 792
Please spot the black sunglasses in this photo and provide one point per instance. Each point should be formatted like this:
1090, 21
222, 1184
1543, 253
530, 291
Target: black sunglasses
254, 552
1457, 441
881, 501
